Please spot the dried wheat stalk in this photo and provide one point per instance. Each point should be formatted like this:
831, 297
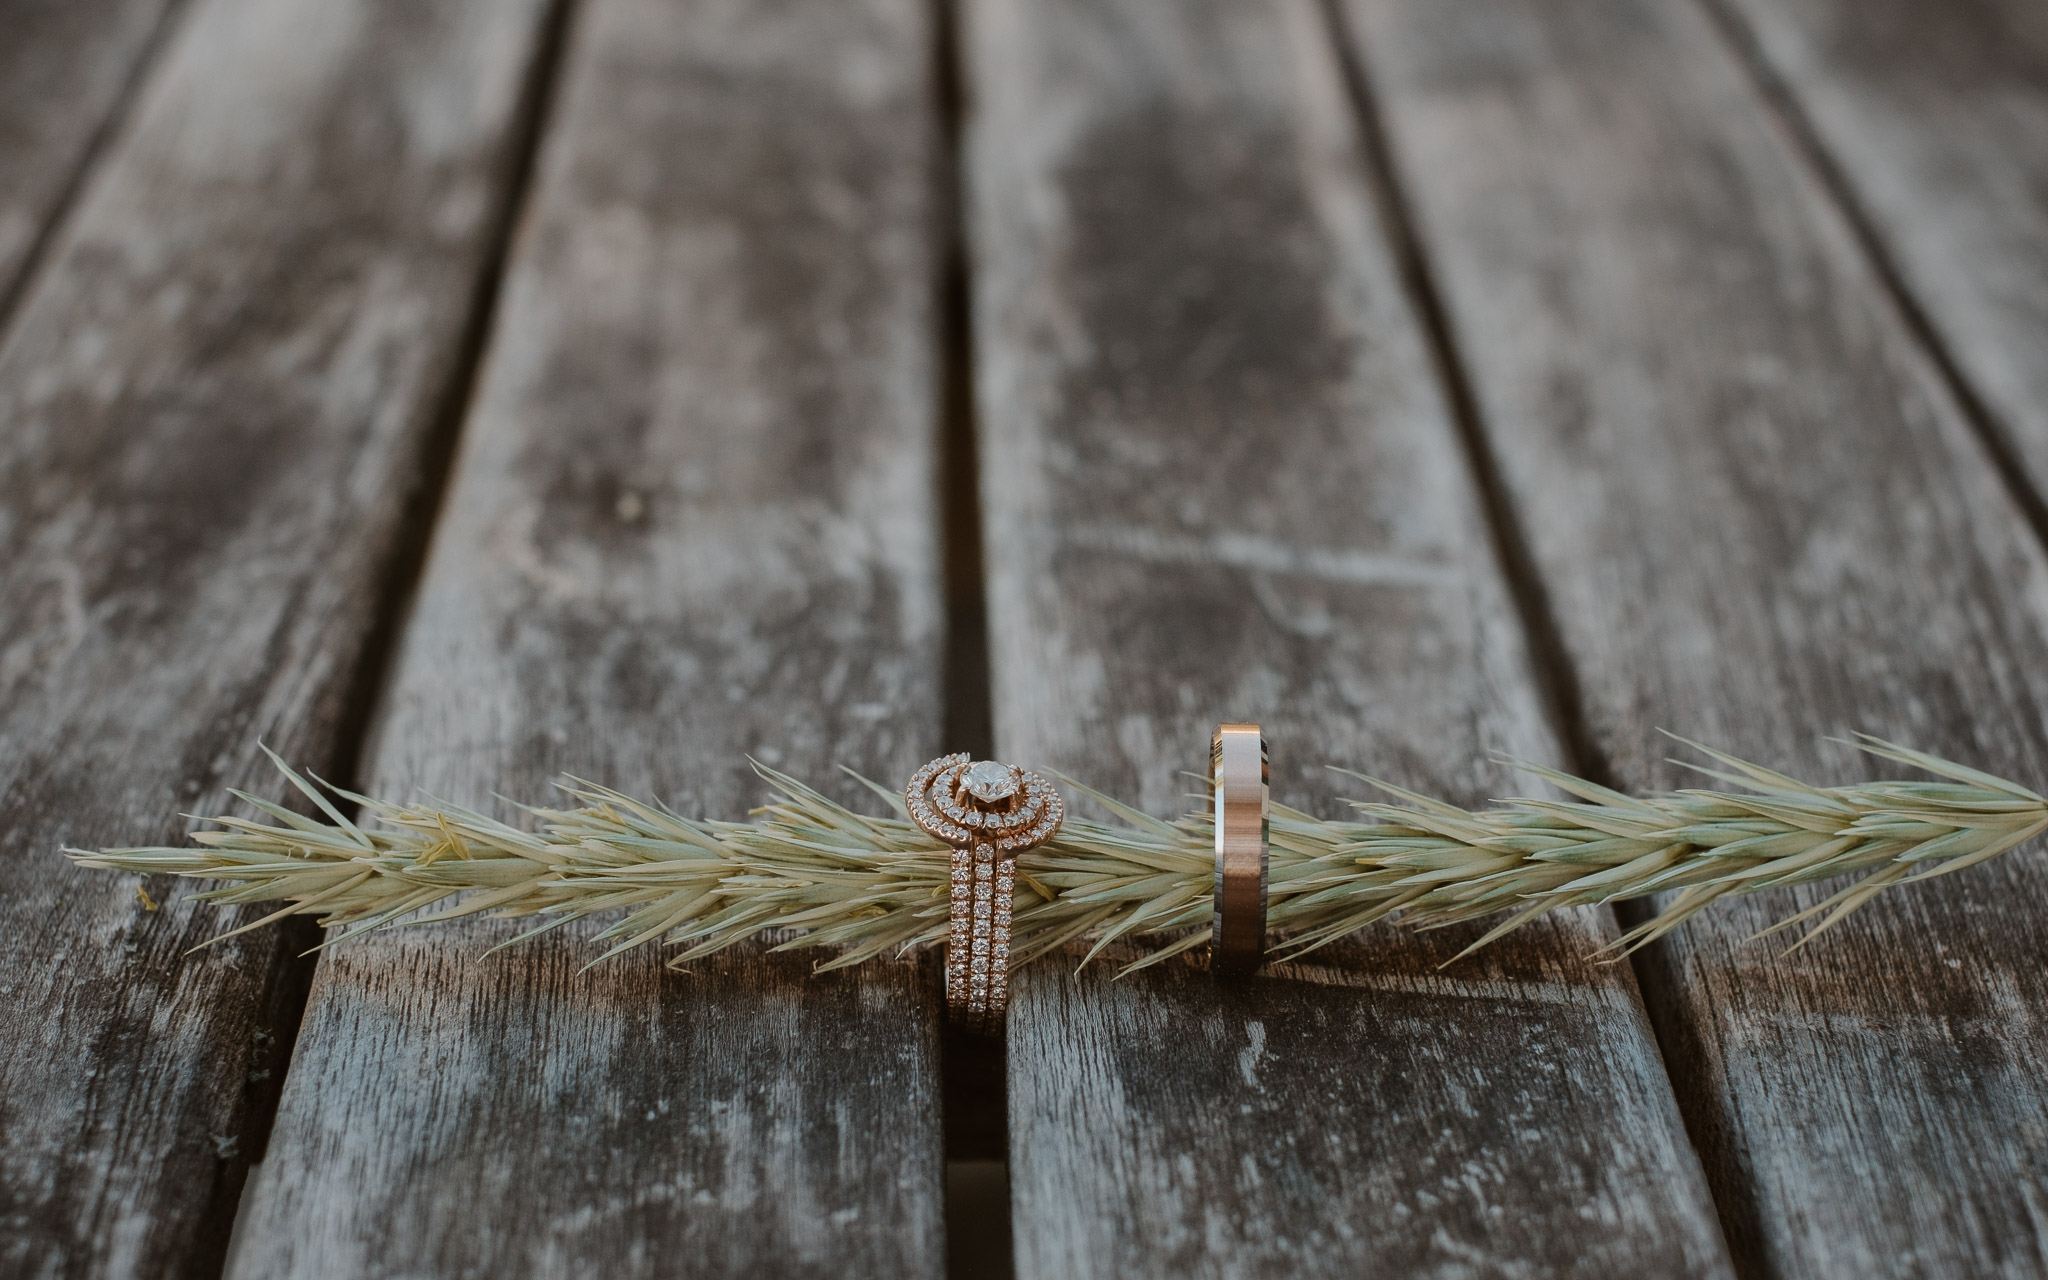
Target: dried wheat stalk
864, 885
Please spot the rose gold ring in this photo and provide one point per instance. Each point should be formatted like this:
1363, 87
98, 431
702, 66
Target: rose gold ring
989, 813
1239, 778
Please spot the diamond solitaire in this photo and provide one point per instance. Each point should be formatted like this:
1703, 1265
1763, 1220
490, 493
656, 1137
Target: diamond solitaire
990, 782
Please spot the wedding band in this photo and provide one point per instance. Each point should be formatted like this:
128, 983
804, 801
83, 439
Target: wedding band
1239, 780
989, 812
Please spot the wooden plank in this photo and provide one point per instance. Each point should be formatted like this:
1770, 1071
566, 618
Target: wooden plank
1221, 483
694, 518
1936, 118
64, 69
1761, 521
212, 409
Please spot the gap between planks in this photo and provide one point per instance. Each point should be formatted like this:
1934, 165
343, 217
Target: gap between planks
1719, 636
720, 201
179, 633
1804, 139
1155, 183
1557, 681
64, 200
973, 1083
401, 585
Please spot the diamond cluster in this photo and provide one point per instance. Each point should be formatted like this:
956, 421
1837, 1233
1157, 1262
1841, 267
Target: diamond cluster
946, 798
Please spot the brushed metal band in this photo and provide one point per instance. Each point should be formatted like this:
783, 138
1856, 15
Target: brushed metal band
1238, 778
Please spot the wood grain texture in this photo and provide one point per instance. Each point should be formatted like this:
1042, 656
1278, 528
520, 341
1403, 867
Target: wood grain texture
64, 65
1761, 521
1936, 118
1220, 484
693, 518
212, 406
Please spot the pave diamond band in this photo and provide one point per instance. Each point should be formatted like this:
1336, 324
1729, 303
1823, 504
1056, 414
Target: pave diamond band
989, 813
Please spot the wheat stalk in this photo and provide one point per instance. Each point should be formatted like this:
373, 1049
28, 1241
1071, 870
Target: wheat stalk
865, 885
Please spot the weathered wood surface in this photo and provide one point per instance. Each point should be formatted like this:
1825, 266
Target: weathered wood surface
1220, 483
1761, 521
213, 403
65, 66
693, 518
1935, 117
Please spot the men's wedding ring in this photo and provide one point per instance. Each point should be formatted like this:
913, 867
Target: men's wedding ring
1239, 781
